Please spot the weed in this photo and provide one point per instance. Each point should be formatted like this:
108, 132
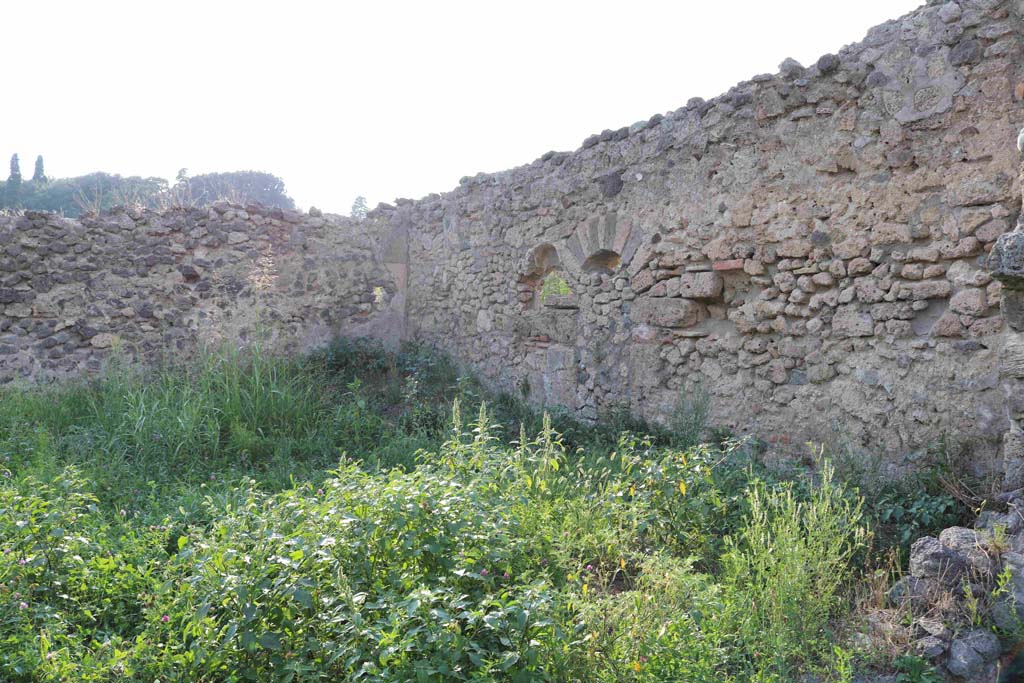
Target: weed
915, 669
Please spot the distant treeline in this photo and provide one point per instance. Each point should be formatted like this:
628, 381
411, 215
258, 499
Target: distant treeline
97, 192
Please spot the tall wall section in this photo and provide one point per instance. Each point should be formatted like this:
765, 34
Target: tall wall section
160, 286
808, 250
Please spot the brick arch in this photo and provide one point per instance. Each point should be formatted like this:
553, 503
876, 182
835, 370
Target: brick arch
601, 244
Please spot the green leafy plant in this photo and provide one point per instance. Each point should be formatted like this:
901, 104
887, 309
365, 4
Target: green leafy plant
554, 285
915, 669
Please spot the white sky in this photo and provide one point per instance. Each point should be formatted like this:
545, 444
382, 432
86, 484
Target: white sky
385, 98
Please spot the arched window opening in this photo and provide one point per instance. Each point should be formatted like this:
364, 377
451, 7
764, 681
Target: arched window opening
543, 283
554, 285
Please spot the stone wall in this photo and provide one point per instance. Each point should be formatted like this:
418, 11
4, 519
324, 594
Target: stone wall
1007, 265
806, 250
161, 285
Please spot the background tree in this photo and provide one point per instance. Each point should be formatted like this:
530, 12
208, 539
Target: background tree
39, 175
97, 192
90, 193
239, 187
359, 208
12, 189
15, 176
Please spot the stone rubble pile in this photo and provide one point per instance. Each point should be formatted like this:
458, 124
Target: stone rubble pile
961, 585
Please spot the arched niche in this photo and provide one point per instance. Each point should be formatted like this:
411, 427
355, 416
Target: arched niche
602, 262
543, 259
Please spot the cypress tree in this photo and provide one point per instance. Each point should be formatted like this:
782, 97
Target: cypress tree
39, 175
14, 180
359, 208
13, 186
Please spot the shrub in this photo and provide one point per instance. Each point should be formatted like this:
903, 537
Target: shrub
784, 571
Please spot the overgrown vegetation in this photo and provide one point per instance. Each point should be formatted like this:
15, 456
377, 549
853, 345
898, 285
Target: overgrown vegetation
363, 516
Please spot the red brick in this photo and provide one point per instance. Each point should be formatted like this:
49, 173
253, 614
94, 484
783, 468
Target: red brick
733, 264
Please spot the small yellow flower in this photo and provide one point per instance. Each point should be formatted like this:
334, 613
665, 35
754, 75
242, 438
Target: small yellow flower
636, 667
682, 487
